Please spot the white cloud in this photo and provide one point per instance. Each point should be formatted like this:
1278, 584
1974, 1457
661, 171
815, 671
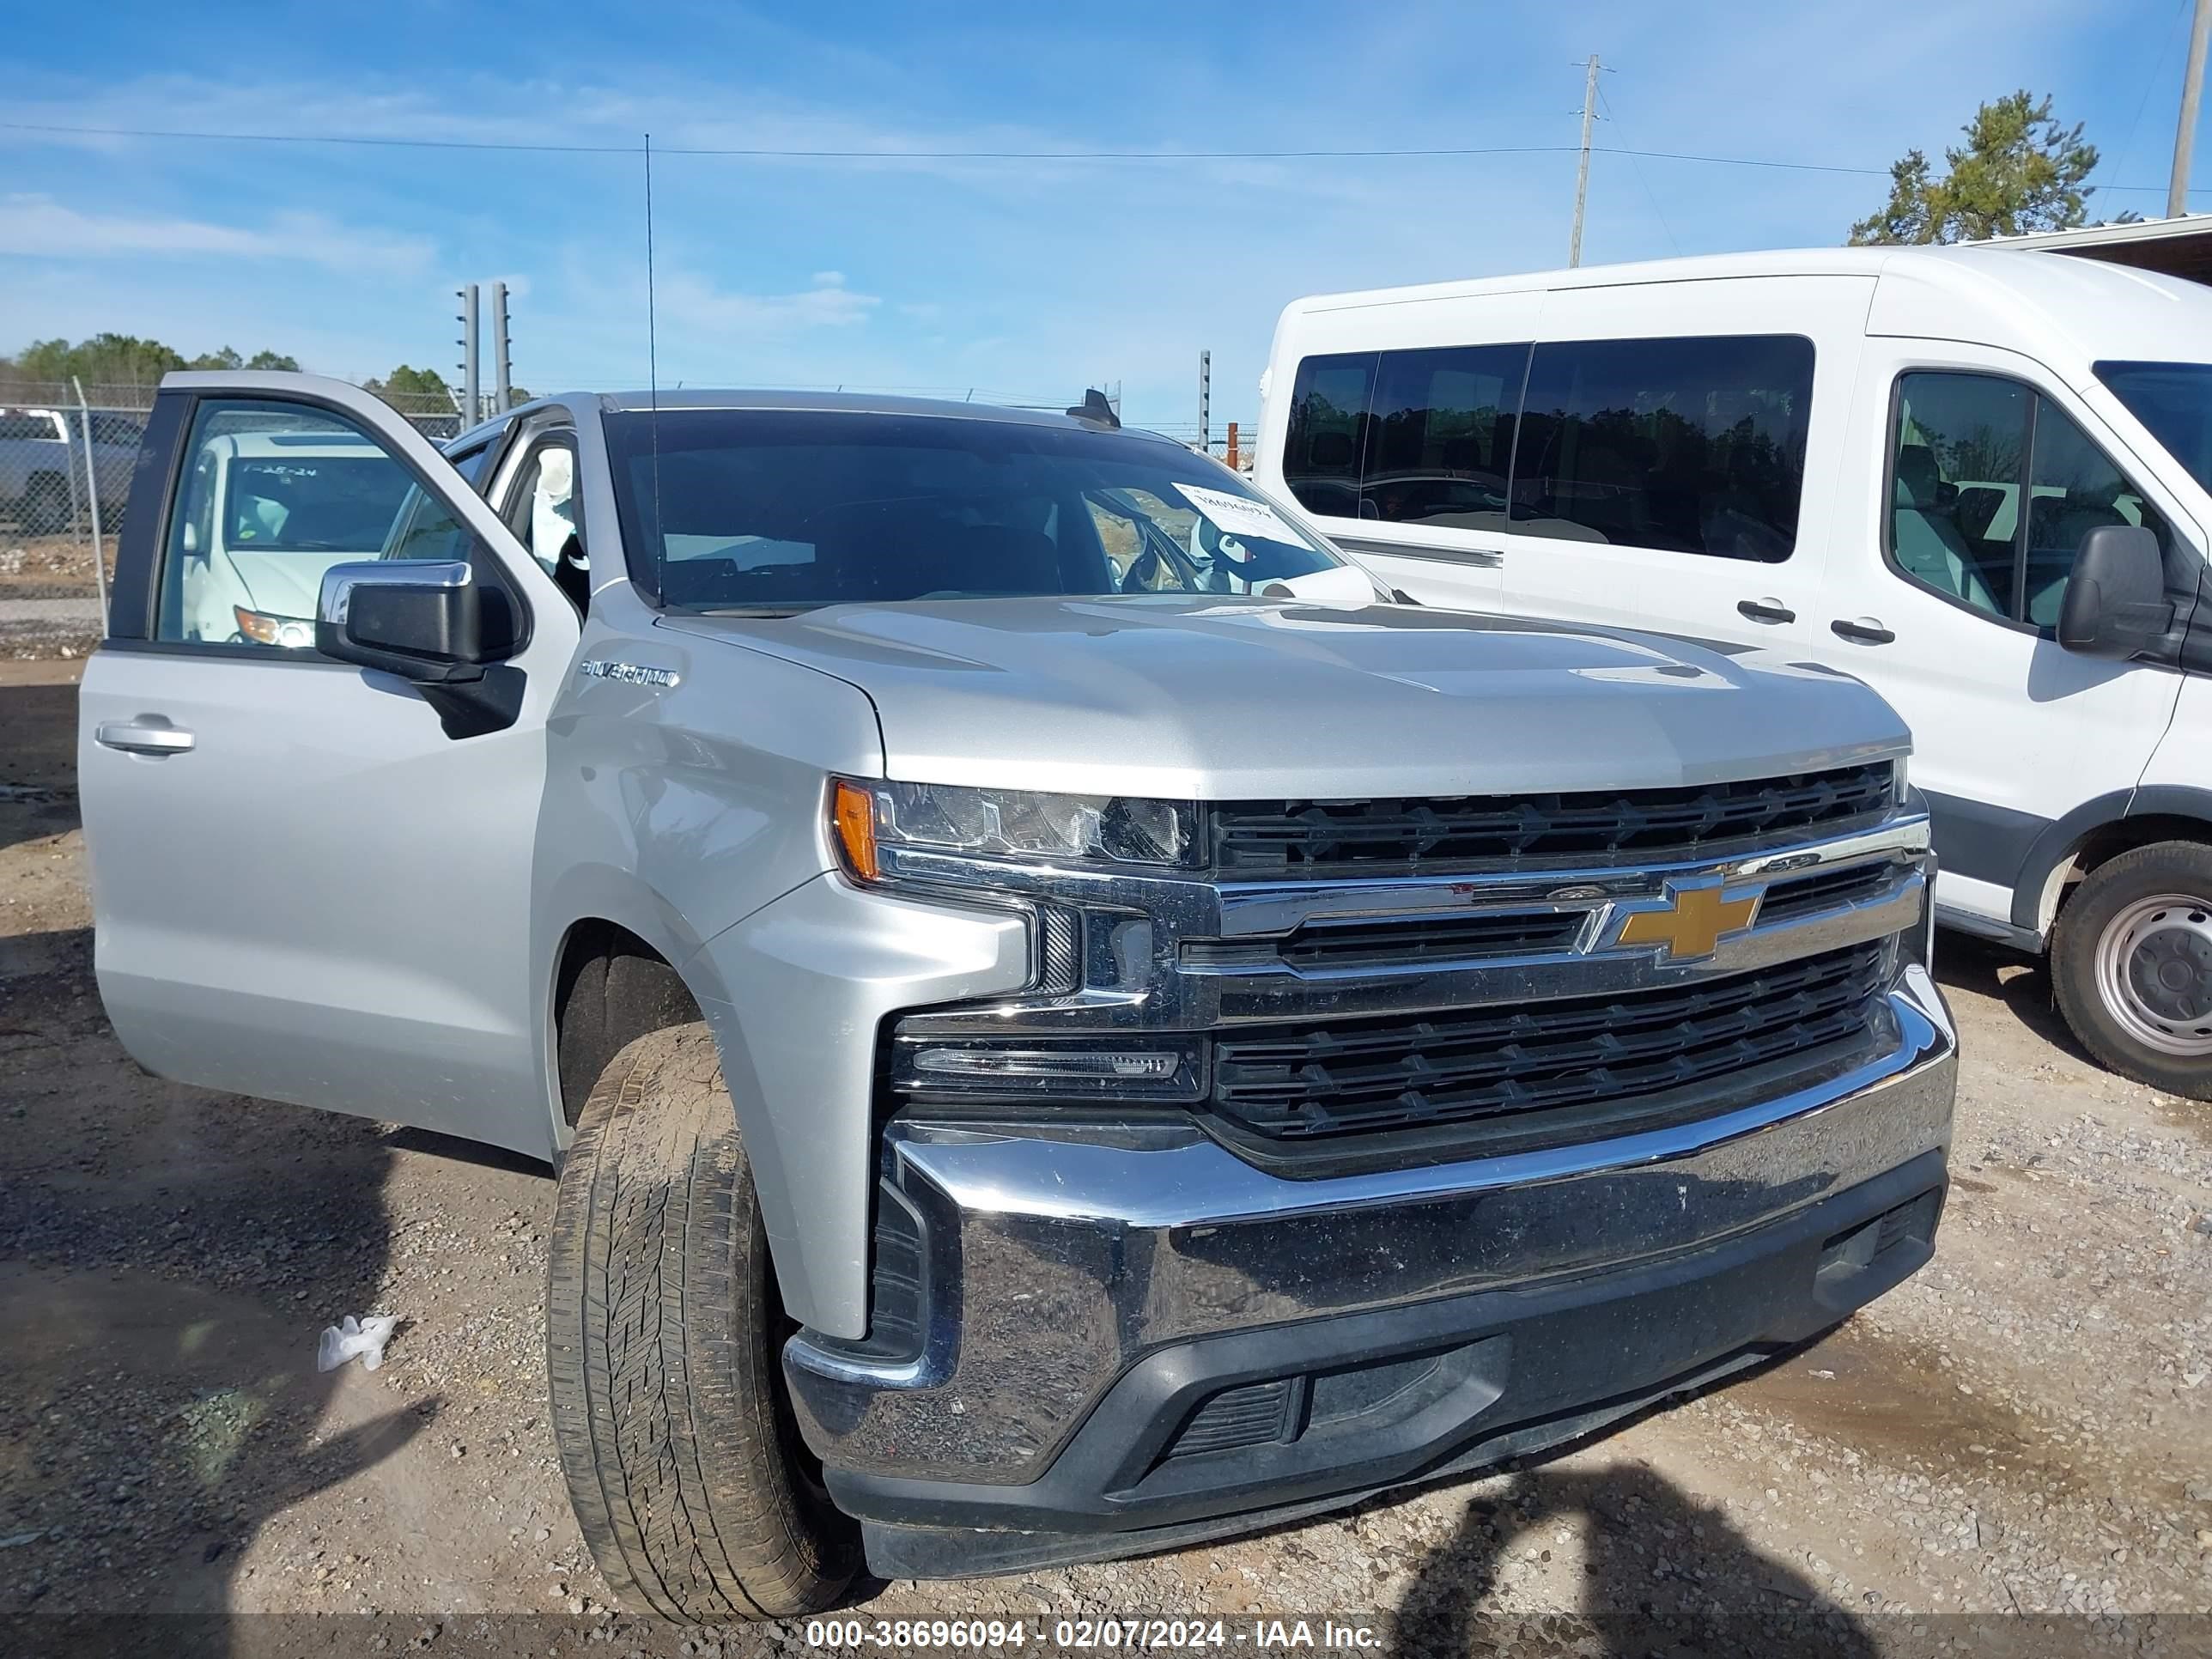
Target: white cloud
696, 303
37, 226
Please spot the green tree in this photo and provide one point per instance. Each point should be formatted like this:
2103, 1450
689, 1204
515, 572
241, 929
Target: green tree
103, 359
120, 360
411, 387
2018, 171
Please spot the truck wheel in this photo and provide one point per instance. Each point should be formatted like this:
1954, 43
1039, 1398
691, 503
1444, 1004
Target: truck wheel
45, 503
2131, 964
665, 1342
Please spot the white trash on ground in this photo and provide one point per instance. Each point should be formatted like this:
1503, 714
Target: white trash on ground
365, 1337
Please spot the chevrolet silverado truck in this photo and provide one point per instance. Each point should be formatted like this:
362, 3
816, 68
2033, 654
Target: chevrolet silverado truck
1054, 1048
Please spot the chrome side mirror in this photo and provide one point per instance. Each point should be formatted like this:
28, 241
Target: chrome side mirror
425, 621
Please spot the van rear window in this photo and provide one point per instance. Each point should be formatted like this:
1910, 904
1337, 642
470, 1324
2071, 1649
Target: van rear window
1694, 445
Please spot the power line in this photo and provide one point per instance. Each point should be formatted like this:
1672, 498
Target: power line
764, 154
768, 154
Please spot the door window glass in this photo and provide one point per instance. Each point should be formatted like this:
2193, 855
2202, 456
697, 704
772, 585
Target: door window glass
1694, 445
1963, 448
1327, 431
541, 509
1443, 436
1954, 485
2073, 489
272, 495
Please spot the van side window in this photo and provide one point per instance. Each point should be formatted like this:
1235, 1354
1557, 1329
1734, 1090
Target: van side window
1689, 446
1962, 448
1440, 439
1327, 433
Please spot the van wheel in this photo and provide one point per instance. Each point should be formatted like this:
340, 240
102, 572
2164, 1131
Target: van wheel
2131, 964
664, 1343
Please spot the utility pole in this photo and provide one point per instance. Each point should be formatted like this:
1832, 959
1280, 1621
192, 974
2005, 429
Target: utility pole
471, 410
1206, 400
1582, 167
2192, 93
502, 382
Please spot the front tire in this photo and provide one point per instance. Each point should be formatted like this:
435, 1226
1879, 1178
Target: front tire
664, 1347
2131, 966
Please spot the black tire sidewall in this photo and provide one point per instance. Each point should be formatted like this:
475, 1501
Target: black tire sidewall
664, 1353
2170, 866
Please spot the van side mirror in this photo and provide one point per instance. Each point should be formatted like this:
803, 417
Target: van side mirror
2115, 602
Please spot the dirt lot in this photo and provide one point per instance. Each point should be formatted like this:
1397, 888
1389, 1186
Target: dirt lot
2024, 1431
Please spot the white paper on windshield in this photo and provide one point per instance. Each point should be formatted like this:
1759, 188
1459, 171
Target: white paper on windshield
1240, 515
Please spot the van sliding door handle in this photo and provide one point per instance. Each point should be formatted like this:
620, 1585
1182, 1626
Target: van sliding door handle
1765, 610
1866, 630
143, 737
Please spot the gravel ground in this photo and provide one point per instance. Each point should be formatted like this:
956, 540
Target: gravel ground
2010, 1454
48, 605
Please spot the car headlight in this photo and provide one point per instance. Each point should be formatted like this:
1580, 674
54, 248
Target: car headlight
263, 627
870, 817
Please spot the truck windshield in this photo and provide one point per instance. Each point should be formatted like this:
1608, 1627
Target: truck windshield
2175, 400
783, 510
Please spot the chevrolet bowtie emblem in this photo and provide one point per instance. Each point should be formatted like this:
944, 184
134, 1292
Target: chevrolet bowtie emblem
1689, 921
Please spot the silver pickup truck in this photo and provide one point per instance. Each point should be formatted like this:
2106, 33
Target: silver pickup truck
1070, 1023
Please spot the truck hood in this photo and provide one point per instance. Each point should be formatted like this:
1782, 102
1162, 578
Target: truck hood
1225, 699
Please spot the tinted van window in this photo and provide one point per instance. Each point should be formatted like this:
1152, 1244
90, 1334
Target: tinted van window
1442, 437
1690, 446
1327, 434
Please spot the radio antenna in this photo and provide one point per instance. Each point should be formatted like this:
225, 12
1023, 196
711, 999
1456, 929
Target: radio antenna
652, 362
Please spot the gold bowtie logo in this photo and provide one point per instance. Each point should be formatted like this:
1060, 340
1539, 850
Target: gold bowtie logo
1691, 921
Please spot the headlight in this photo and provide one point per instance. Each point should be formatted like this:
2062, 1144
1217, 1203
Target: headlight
292, 633
1015, 824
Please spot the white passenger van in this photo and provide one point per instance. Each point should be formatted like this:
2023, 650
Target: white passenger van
1975, 478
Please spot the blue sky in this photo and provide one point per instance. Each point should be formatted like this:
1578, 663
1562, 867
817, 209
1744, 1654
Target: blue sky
1023, 279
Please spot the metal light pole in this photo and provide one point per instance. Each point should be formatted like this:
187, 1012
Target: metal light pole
1206, 400
471, 410
2193, 94
502, 384
1582, 167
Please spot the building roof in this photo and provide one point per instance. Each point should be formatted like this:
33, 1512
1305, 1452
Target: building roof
2178, 248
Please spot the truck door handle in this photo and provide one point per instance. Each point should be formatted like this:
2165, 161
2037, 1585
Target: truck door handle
1866, 630
143, 736
1765, 610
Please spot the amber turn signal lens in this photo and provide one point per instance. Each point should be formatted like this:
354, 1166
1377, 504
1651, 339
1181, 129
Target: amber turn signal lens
853, 814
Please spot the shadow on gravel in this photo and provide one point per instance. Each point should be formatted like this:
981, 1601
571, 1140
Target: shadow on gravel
1662, 1574
1966, 963
167, 1258
38, 759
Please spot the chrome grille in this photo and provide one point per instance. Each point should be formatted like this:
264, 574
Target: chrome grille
1549, 1060
1301, 838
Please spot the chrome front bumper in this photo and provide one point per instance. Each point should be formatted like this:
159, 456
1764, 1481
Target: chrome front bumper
1058, 1260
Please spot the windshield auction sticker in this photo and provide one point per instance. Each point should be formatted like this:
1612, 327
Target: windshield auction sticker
1240, 515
